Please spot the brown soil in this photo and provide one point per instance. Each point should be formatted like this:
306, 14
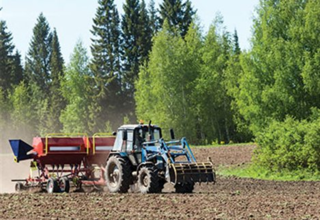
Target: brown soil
229, 198
225, 156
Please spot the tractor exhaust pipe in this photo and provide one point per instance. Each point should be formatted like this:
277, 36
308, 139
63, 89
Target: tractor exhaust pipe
172, 134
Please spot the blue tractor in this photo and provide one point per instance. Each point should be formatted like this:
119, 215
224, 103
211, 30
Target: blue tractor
141, 157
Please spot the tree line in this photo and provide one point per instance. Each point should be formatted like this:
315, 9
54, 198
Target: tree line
159, 65
187, 81
46, 95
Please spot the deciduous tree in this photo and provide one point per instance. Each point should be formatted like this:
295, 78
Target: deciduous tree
77, 90
280, 73
165, 86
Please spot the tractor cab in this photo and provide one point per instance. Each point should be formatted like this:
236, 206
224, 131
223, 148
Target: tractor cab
130, 139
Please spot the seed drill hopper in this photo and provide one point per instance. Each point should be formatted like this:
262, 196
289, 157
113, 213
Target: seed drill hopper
63, 158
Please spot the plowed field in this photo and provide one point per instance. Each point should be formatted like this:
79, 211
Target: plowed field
229, 198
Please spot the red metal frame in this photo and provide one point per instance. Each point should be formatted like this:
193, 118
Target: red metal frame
76, 157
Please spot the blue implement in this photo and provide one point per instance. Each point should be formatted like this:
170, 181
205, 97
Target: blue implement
20, 150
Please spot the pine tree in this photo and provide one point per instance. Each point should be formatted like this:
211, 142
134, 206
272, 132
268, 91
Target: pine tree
44, 68
106, 42
11, 71
178, 14
6, 57
37, 65
56, 62
146, 32
17, 70
131, 47
11, 74
236, 46
153, 18
130, 25
106, 62
57, 102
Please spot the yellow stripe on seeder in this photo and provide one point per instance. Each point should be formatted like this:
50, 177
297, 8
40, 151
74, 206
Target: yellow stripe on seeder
64, 135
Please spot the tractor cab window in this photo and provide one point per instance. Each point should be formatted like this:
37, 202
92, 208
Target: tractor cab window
129, 140
119, 141
156, 134
144, 134
139, 138
153, 134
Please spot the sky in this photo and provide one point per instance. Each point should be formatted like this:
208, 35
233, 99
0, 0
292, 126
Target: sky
73, 19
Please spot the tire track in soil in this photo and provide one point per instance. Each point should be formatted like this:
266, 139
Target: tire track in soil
230, 198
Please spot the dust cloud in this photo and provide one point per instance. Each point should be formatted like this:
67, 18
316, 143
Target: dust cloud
8, 168
11, 170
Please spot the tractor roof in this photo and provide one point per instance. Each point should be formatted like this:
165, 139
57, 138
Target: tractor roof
133, 126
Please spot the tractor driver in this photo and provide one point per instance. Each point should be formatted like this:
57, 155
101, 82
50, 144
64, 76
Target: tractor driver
139, 139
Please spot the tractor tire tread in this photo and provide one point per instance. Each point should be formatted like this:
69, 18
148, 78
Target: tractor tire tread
125, 175
152, 174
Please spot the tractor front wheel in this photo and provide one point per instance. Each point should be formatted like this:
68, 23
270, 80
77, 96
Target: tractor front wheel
148, 180
118, 174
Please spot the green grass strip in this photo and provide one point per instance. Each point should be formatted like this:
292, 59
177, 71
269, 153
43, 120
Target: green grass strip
255, 172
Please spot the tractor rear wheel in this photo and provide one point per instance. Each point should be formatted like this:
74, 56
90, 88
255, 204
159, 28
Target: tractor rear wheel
118, 174
184, 187
52, 185
148, 180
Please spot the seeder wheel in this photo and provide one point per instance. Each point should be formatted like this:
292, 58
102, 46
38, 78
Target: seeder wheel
19, 187
52, 186
64, 184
